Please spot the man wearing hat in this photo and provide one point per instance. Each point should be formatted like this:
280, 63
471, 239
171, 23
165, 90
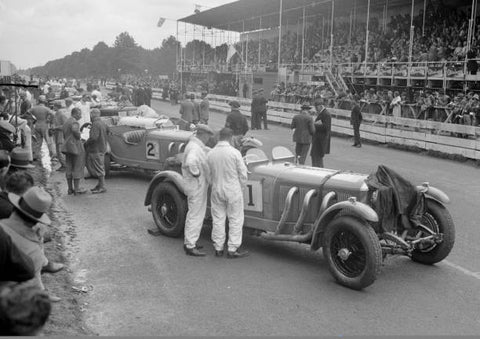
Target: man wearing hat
43, 115
20, 159
302, 124
95, 148
26, 226
259, 110
59, 120
187, 110
321, 136
237, 122
196, 176
204, 109
355, 120
6, 132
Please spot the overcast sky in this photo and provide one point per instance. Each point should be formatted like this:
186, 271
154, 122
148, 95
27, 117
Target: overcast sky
33, 32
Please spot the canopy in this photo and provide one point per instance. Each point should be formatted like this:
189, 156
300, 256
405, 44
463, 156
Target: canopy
246, 15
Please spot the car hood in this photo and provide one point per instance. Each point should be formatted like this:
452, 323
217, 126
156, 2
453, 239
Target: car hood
171, 134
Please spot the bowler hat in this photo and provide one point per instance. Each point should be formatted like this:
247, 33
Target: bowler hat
34, 203
19, 158
234, 104
204, 128
305, 107
7, 126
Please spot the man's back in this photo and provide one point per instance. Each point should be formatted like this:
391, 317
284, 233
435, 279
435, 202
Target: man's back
187, 110
41, 113
237, 122
303, 125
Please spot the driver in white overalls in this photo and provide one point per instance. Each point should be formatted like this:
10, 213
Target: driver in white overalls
196, 175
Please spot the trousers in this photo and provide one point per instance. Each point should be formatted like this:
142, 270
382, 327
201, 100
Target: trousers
197, 207
301, 151
221, 209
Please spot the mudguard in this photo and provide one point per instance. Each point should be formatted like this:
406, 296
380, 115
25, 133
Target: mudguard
434, 193
353, 207
164, 176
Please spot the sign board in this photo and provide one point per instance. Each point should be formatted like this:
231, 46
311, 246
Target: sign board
253, 196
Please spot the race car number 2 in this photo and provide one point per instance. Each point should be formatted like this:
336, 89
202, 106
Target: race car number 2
253, 196
152, 150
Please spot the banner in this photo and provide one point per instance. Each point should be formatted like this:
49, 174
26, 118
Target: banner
231, 52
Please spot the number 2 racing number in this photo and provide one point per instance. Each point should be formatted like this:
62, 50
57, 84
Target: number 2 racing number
152, 150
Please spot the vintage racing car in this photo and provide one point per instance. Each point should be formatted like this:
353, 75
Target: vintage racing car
150, 144
327, 208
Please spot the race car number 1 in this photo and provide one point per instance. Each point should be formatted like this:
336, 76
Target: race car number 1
253, 196
153, 150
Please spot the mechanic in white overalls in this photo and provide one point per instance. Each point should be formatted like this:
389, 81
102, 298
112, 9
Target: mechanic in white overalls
229, 177
196, 175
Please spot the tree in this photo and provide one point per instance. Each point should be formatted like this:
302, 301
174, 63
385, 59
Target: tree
124, 40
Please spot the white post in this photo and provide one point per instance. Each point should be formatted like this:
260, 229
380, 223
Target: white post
204, 43
243, 49
410, 48
424, 15
303, 37
280, 36
331, 35
366, 39
176, 52
323, 28
260, 43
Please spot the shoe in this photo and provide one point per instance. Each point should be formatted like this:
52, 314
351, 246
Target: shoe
236, 254
80, 191
53, 267
54, 298
99, 190
354, 145
70, 192
358, 146
219, 253
198, 247
194, 252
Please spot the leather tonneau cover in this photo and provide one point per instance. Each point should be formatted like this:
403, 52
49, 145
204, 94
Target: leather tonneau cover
399, 205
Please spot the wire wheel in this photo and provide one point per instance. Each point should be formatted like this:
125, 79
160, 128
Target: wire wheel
348, 253
169, 209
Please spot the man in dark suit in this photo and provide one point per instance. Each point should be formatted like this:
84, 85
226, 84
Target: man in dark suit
321, 136
237, 122
259, 110
302, 123
355, 120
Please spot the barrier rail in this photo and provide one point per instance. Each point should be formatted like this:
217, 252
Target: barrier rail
427, 135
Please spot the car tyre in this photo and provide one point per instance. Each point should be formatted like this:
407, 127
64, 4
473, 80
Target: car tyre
353, 252
439, 220
169, 209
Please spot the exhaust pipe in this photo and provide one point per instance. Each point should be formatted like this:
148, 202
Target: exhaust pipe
306, 203
307, 236
286, 209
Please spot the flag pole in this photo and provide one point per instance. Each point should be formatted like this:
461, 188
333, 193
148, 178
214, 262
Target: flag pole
280, 36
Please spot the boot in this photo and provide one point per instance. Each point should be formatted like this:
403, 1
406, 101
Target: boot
70, 186
77, 190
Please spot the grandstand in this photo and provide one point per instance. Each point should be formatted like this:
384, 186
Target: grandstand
399, 45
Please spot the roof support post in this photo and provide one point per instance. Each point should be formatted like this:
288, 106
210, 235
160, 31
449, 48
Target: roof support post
366, 39
410, 48
331, 35
303, 36
260, 42
424, 14
280, 36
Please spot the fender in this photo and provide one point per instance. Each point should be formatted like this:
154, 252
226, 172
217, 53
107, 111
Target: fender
434, 193
355, 208
164, 176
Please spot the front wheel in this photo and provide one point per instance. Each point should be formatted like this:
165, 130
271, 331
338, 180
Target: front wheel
353, 252
437, 219
169, 209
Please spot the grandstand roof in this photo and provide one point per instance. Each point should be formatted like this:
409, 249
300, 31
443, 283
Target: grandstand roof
244, 15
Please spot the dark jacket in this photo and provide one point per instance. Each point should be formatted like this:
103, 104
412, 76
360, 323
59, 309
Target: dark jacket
71, 133
356, 116
97, 141
14, 265
5, 142
6, 206
321, 137
237, 122
259, 104
303, 125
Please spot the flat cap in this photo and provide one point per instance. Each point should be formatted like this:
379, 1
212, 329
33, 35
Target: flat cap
204, 129
234, 104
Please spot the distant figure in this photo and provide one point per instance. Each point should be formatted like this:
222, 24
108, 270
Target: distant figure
187, 110
237, 122
321, 137
43, 116
204, 109
355, 120
302, 124
259, 110
245, 89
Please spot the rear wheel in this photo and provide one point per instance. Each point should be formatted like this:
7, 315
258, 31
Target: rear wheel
353, 252
169, 209
438, 219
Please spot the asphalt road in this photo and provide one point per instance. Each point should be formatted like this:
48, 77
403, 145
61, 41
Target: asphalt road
144, 285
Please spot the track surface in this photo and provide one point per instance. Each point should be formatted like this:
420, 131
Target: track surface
144, 285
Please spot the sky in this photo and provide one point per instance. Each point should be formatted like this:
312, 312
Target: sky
33, 32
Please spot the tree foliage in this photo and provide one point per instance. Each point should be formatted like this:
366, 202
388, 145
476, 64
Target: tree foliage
124, 57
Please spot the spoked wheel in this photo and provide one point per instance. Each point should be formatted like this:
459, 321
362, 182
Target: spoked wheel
353, 252
169, 209
438, 220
